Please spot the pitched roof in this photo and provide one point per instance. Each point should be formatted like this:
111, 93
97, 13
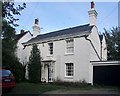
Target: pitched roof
19, 36
84, 30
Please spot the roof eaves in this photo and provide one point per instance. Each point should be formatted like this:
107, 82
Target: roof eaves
62, 33
57, 38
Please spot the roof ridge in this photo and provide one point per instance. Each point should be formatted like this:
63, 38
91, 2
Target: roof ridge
77, 30
65, 29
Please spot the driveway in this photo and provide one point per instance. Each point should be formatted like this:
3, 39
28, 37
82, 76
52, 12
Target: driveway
92, 92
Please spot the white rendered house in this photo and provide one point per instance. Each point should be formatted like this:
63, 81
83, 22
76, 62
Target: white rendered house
66, 54
24, 36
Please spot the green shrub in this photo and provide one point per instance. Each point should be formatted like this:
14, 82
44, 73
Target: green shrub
34, 65
72, 84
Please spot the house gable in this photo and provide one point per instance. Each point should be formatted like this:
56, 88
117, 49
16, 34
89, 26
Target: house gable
95, 44
20, 38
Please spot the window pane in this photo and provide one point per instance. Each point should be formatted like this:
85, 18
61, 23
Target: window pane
69, 69
50, 48
70, 46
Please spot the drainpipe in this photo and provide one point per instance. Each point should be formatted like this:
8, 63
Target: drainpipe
101, 49
93, 47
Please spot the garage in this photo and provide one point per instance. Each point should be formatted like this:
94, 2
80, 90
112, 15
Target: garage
106, 73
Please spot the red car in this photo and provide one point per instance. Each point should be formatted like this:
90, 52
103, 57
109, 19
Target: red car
7, 79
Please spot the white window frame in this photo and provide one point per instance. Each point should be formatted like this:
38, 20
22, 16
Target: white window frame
70, 46
69, 69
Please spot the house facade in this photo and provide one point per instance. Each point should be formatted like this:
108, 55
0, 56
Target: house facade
23, 36
66, 54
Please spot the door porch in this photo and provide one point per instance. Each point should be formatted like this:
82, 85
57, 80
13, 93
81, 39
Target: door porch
48, 71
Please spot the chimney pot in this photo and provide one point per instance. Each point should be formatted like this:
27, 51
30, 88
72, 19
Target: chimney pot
36, 21
22, 31
92, 4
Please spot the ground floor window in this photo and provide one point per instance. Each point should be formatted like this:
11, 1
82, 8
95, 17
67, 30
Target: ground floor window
69, 69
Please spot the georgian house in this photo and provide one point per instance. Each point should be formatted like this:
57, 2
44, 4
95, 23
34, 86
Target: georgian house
67, 53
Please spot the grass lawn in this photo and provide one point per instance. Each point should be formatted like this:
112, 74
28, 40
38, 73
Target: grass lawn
38, 88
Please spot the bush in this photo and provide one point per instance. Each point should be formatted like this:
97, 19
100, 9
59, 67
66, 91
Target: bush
34, 65
72, 84
18, 71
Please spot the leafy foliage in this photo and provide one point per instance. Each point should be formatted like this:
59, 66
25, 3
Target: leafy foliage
9, 11
8, 43
34, 65
113, 43
9, 58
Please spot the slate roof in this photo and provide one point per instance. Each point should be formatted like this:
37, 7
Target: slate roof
19, 36
84, 29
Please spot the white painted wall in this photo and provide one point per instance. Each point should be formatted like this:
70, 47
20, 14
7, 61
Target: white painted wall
80, 58
94, 37
20, 51
104, 49
27, 52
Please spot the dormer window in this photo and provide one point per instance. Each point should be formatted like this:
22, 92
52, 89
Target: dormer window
50, 45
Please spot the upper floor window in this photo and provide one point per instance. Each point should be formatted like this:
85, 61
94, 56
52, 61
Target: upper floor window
50, 48
70, 46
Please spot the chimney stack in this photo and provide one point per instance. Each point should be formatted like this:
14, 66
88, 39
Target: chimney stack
36, 28
92, 14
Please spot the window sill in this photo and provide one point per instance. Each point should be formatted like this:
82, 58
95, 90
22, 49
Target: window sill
49, 55
69, 54
68, 77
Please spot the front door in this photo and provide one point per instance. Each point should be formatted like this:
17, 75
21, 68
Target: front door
46, 73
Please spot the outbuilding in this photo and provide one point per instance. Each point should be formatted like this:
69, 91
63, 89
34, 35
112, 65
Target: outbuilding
106, 72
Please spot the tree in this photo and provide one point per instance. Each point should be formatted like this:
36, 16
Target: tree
113, 43
9, 10
34, 65
9, 58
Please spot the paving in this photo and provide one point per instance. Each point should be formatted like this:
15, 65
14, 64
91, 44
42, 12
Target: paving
92, 92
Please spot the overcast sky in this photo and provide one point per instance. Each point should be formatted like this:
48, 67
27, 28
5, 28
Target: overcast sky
60, 15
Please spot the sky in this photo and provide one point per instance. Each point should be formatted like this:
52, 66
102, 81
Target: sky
60, 15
